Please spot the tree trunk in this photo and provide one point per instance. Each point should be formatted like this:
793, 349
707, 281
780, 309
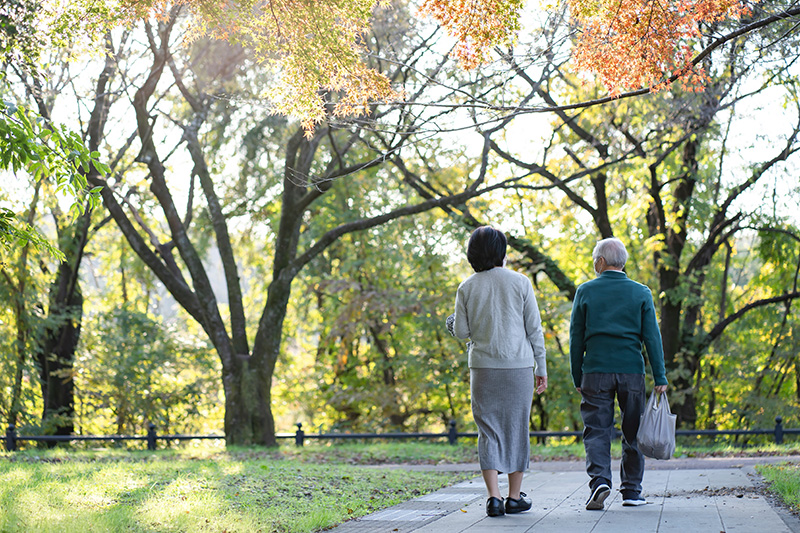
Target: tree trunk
266, 351
15, 406
248, 418
56, 354
56, 357
678, 361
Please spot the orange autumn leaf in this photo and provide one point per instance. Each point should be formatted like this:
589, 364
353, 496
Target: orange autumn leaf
477, 25
631, 44
628, 44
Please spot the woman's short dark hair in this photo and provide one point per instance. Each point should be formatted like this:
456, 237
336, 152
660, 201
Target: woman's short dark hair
486, 248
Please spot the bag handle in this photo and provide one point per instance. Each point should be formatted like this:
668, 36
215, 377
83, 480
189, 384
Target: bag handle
662, 398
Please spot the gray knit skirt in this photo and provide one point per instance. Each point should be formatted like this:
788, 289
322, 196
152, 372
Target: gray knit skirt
501, 406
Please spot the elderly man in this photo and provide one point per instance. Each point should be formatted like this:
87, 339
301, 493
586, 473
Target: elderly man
612, 317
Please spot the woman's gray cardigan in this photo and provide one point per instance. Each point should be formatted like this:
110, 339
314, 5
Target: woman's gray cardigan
497, 310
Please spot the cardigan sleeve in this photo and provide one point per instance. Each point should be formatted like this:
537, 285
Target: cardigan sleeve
533, 330
461, 324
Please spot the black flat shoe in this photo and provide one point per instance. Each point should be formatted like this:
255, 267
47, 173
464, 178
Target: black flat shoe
494, 507
518, 506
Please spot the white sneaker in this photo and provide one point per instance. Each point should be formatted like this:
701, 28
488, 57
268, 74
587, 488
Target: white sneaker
599, 495
634, 501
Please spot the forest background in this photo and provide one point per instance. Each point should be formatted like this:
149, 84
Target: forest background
236, 270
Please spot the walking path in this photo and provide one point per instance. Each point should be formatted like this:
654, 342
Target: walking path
683, 495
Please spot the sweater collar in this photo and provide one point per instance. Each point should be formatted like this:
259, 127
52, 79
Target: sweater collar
613, 274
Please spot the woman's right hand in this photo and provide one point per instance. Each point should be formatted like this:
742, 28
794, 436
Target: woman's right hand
541, 384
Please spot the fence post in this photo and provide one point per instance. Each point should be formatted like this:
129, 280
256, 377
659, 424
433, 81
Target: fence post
300, 435
151, 437
11, 438
778, 430
452, 434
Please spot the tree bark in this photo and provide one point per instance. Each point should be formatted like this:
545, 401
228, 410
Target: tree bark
56, 357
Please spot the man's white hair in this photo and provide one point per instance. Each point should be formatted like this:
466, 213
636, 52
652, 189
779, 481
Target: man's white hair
612, 250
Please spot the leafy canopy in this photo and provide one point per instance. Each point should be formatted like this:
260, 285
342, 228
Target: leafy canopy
317, 48
628, 44
477, 26
641, 43
314, 47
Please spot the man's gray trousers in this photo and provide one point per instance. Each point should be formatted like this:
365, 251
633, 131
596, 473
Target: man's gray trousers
597, 410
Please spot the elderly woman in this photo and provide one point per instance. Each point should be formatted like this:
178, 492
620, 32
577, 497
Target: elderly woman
496, 309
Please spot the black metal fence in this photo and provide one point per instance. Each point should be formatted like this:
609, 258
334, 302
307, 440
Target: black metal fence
300, 436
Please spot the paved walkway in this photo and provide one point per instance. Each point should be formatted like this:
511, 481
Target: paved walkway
684, 495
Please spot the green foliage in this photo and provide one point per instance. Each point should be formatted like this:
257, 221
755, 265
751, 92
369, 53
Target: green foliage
22, 322
777, 246
47, 151
383, 360
758, 359
132, 370
30, 27
17, 35
15, 232
29, 146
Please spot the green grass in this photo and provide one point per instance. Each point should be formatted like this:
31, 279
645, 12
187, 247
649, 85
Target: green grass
377, 453
416, 452
784, 480
685, 449
194, 490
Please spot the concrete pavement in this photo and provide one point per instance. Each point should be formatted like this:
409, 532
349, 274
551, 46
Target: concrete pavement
684, 495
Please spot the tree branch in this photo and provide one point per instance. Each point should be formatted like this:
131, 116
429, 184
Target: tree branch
717, 330
412, 209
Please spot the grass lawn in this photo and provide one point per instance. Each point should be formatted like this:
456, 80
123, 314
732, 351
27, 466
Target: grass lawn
784, 480
202, 489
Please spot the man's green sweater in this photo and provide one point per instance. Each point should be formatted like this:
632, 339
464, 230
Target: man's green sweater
612, 316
